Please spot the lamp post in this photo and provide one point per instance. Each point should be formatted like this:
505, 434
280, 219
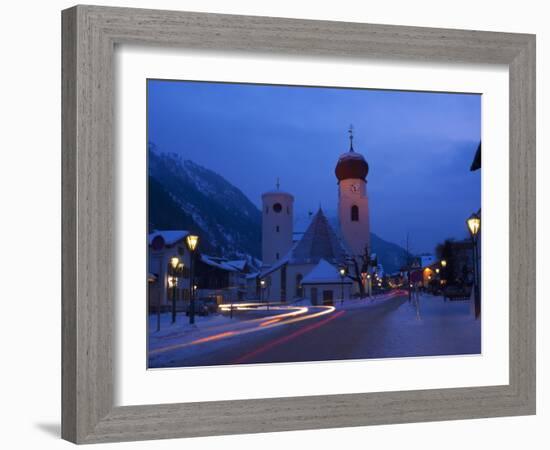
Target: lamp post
192, 241
474, 225
364, 274
262, 287
173, 282
342, 275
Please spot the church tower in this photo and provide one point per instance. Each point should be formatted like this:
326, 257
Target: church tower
353, 203
277, 223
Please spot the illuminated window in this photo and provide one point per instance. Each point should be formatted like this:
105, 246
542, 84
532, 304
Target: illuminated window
355, 213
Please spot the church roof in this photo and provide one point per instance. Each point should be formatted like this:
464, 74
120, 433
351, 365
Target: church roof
324, 273
318, 242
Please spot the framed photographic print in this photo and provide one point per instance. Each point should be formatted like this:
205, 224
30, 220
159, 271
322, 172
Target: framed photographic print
278, 224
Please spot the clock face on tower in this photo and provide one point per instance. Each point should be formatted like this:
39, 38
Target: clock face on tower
354, 187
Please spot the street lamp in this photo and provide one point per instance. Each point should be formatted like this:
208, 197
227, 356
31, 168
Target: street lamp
342, 275
364, 274
192, 241
443, 263
173, 283
262, 288
474, 226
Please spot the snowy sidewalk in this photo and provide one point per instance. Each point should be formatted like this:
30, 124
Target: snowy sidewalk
434, 328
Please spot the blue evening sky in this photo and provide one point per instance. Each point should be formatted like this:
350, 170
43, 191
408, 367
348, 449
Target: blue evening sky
419, 147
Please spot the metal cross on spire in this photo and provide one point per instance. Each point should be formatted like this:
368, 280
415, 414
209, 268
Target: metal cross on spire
350, 131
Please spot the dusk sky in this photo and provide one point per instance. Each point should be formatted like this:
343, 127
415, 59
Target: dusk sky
419, 147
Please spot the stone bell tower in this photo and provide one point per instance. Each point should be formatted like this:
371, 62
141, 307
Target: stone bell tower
277, 222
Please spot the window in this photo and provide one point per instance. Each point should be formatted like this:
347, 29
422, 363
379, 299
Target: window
355, 213
277, 207
277, 228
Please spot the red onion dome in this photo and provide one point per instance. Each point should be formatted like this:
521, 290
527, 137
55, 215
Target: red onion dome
351, 165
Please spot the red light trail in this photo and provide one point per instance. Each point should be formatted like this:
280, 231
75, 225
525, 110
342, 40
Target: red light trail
286, 338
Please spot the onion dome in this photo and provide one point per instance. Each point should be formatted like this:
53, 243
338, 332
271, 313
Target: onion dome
351, 164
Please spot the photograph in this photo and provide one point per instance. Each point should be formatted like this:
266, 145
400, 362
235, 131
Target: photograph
294, 224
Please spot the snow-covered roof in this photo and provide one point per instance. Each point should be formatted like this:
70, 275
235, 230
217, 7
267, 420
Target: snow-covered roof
284, 260
239, 264
170, 236
218, 263
318, 242
324, 273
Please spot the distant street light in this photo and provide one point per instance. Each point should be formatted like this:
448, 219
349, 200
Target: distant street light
443, 263
173, 283
364, 279
342, 275
474, 226
192, 244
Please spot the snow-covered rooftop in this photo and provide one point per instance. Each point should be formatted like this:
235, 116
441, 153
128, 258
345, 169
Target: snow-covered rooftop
170, 236
238, 264
218, 263
324, 273
318, 242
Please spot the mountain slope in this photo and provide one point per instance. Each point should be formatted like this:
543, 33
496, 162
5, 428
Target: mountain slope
185, 195
390, 255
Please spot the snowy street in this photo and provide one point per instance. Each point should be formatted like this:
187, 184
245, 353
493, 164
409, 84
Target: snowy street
388, 326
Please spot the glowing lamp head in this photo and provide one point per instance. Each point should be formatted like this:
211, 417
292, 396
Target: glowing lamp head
437, 270
262, 283
474, 224
443, 263
342, 272
174, 262
172, 282
192, 241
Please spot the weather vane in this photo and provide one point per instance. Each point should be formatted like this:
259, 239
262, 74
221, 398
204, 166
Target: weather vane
350, 131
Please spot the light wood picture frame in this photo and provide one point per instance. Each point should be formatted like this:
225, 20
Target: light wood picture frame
90, 34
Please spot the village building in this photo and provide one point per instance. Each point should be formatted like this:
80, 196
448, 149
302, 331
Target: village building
324, 285
221, 279
163, 246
